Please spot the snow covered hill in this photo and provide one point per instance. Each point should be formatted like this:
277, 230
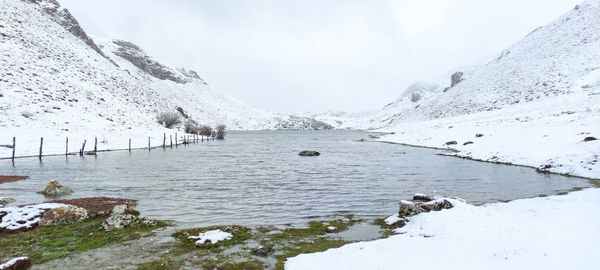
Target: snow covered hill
535, 102
57, 81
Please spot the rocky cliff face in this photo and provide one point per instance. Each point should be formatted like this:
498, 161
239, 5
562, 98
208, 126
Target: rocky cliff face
140, 59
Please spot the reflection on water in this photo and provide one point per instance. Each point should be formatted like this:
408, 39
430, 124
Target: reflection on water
255, 178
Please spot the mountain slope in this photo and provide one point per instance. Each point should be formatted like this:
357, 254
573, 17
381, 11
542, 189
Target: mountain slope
534, 103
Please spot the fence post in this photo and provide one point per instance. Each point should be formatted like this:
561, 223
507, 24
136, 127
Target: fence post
149, 144
175, 139
129, 145
82, 148
164, 140
67, 147
13, 152
41, 146
171, 141
95, 144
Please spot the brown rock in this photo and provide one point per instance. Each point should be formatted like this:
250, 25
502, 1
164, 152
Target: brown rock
64, 215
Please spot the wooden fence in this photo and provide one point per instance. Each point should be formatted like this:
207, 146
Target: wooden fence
185, 140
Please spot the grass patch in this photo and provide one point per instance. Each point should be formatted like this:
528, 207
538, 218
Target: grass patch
46, 243
161, 264
240, 235
243, 265
317, 245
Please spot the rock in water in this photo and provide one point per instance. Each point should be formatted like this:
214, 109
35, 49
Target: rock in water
6, 201
21, 263
55, 189
309, 154
64, 215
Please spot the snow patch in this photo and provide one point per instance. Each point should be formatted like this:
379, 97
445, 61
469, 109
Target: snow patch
211, 237
25, 217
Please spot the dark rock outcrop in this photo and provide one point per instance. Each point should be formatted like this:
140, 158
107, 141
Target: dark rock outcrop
309, 154
451, 143
456, 78
467, 143
478, 135
141, 60
589, 139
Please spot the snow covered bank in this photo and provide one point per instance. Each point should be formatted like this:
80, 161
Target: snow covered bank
557, 232
548, 133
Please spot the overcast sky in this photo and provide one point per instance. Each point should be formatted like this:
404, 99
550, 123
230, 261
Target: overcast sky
317, 55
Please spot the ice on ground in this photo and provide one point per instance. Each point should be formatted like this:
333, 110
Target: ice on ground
212, 237
556, 232
26, 217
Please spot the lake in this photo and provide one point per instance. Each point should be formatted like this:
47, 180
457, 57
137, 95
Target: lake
257, 178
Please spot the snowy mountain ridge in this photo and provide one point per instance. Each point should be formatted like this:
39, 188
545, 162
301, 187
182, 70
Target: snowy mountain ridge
51, 67
552, 61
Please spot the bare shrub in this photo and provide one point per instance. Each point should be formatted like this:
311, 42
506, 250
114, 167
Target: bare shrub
169, 119
191, 128
221, 132
206, 130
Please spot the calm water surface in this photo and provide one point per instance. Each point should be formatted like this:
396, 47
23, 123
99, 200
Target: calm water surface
256, 178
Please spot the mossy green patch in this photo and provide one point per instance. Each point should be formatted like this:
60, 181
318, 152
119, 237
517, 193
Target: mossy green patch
388, 229
46, 243
161, 264
240, 235
243, 265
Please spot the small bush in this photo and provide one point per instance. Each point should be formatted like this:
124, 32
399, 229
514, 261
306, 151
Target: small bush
221, 132
169, 119
191, 128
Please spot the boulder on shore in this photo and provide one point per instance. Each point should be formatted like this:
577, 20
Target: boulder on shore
122, 216
309, 154
422, 204
119, 218
590, 139
55, 189
64, 215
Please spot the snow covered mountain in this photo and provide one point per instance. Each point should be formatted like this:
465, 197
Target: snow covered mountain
55, 77
554, 61
533, 104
